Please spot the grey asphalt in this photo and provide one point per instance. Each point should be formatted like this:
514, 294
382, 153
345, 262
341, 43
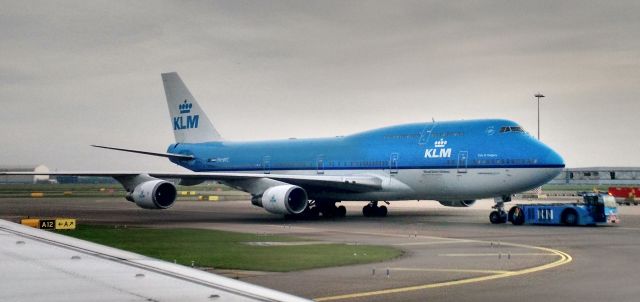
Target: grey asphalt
441, 245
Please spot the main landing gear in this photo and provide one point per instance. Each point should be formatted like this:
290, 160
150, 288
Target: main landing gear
318, 208
328, 208
499, 215
373, 210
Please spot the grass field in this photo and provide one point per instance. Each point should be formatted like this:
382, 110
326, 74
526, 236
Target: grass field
228, 250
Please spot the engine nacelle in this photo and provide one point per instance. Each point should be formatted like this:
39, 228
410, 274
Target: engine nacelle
154, 194
457, 203
285, 199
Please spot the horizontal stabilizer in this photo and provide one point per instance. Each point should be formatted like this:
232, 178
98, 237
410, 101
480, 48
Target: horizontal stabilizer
167, 155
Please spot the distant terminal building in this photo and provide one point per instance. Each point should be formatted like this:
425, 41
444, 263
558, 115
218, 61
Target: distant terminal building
24, 179
67, 179
598, 176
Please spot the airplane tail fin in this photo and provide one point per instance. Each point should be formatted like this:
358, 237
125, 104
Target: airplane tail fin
189, 122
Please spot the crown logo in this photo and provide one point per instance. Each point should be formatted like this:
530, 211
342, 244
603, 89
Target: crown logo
440, 143
185, 107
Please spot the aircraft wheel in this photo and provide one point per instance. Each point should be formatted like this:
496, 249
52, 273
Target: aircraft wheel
366, 211
382, 211
497, 218
341, 211
494, 217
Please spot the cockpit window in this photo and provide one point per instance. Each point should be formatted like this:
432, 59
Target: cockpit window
511, 129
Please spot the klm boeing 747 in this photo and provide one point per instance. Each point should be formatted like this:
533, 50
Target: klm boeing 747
453, 162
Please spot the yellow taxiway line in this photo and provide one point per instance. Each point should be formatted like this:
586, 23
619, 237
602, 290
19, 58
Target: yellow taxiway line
564, 259
497, 254
448, 241
446, 270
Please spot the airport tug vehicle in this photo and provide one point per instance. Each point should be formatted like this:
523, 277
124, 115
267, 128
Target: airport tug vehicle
595, 209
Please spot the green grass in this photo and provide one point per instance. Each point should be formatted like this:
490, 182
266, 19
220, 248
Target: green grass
228, 250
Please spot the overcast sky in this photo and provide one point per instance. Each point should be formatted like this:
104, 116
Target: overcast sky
88, 72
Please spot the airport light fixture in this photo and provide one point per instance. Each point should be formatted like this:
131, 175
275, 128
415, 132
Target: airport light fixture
539, 96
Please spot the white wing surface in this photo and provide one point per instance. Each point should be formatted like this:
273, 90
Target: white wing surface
38, 265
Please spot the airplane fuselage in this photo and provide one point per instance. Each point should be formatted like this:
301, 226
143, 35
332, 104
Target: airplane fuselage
457, 160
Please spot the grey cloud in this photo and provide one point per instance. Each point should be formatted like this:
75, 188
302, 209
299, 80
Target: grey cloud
88, 72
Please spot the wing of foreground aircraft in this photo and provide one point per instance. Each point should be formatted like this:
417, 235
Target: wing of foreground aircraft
44, 266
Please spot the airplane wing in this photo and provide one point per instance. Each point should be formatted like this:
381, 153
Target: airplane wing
354, 183
39, 265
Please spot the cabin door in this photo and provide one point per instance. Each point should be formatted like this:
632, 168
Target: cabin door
462, 161
320, 165
393, 164
266, 164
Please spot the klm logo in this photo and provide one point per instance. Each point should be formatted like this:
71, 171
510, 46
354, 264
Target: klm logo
191, 121
185, 121
439, 150
185, 107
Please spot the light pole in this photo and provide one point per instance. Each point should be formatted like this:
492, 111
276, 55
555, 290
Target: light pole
538, 96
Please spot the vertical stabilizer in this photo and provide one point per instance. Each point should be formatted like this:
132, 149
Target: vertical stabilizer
189, 122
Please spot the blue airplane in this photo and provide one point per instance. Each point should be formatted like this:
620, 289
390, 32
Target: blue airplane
453, 162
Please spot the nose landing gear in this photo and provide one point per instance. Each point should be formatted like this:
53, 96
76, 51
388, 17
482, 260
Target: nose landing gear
499, 215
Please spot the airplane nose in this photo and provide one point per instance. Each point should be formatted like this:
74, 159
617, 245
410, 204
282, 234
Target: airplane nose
553, 159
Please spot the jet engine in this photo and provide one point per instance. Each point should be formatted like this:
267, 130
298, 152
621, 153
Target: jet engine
284, 199
153, 194
457, 203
